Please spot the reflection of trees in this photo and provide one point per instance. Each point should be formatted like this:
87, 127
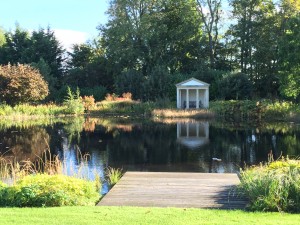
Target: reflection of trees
24, 144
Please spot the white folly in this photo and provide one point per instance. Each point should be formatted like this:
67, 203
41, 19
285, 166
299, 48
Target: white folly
192, 93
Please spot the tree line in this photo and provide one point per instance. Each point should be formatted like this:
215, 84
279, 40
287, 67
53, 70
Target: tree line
246, 49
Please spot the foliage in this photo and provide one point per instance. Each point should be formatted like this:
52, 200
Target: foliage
73, 102
235, 86
274, 186
98, 92
88, 102
42, 190
254, 110
111, 97
21, 84
290, 64
127, 96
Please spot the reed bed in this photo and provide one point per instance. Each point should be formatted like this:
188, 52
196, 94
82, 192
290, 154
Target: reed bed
179, 113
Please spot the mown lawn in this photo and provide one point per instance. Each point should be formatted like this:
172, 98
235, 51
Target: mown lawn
134, 215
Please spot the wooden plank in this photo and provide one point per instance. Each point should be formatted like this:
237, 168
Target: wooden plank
200, 190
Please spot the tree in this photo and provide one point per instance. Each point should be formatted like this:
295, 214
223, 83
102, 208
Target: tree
235, 86
21, 84
44, 45
210, 14
16, 46
256, 38
289, 48
143, 33
41, 46
88, 66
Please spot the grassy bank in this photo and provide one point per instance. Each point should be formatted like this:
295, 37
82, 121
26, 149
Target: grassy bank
246, 110
134, 215
26, 110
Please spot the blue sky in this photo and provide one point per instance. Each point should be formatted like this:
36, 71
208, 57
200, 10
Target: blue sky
74, 21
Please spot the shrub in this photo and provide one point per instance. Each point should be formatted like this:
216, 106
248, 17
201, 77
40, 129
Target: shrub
21, 84
274, 186
73, 102
88, 102
111, 97
127, 96
43, 190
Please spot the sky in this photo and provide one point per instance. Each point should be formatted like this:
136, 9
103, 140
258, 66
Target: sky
73, 21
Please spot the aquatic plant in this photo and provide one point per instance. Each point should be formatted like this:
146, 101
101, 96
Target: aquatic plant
113, 175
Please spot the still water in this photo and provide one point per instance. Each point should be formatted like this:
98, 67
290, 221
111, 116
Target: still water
170, 145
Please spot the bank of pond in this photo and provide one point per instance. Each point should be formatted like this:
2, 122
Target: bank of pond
242, 110
35, 153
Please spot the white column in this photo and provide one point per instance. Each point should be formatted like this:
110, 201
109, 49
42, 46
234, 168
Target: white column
178, 99
206, 98
197, 98
178, 130
187, 99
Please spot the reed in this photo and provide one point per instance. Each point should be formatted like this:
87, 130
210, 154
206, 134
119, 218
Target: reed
12, 171
113, 175
179, 113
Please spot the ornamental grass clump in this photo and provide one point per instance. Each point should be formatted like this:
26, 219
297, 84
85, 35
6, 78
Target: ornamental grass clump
274, 186
113, 175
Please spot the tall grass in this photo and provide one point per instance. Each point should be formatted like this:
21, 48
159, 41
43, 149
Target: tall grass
25, 110
178, 113
274, 186
113, 175
12, 170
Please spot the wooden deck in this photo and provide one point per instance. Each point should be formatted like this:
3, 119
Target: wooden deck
197, 190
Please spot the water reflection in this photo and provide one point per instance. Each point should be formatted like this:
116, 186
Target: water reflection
24, 144
168, 145
193, 134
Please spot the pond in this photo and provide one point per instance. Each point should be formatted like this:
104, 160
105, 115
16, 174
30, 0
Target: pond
164, 145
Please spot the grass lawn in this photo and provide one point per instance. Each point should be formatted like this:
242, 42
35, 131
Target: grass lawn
134, 215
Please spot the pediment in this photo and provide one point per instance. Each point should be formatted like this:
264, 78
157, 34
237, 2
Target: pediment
192, 82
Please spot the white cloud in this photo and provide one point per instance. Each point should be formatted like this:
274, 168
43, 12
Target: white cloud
69, 37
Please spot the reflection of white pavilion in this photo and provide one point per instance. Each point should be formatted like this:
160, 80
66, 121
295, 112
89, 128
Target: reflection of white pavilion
193, 135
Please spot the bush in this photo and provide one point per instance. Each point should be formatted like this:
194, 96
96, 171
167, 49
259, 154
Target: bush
274, 186
21, 84
88, 102
47, 191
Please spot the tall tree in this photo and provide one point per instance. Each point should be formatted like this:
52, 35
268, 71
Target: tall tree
210, 13
289, 48
256, 38
142, 33
44, 44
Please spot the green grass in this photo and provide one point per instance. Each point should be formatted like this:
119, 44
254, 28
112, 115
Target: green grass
134, 215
